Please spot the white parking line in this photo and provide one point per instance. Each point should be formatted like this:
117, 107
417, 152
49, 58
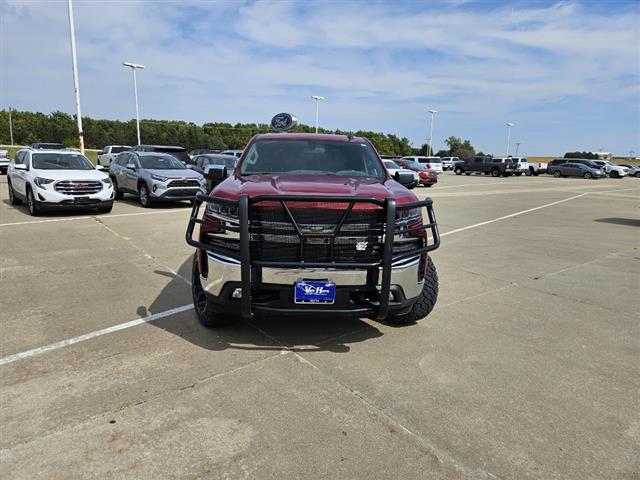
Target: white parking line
94, 334
90, 217
184, 308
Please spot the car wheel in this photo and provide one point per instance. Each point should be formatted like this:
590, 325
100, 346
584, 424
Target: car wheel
495, 172
34, 208
517, 174
458, 171
467, 173
117, 194
145, 198
208, 315
637, 175
588, 175
557, 174
13, 200
528, 173
614, 174
426, 301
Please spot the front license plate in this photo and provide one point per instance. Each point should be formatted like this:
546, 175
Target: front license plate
308, 291
81, 200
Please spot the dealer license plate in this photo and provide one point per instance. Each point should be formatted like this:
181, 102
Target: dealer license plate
308, 291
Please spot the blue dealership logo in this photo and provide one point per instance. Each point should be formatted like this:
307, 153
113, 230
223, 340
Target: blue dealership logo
283, 121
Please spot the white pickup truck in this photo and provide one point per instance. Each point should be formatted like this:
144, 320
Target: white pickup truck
110, 152
4, 161
536, 168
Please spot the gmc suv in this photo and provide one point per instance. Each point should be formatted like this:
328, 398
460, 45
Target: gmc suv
311, 224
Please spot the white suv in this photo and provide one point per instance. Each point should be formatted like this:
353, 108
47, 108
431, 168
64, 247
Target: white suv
434, 163
57, 179
614, 171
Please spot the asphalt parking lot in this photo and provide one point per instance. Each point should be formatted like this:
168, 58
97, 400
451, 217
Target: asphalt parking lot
527, 368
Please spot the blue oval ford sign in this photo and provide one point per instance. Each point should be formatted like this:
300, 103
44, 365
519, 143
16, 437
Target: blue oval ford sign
283, 121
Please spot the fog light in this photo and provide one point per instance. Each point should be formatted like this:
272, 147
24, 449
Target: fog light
237, 293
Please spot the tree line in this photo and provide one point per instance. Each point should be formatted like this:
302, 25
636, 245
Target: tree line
60, 127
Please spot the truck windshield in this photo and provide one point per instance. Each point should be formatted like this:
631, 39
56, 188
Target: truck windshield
312, 157
60, 161
160, 162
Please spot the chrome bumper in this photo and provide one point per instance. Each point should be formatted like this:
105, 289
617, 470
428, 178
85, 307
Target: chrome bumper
223, 269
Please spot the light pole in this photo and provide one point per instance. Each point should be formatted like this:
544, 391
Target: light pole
518, 147
76, 84
317, 99
10, 127
433, 113
509, 125
134, 67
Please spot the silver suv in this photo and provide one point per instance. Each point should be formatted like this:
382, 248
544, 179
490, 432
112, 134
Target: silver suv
154, 177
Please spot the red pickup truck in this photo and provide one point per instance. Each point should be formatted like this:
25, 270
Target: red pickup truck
310, 224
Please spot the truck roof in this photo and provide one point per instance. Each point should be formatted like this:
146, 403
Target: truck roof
310, 136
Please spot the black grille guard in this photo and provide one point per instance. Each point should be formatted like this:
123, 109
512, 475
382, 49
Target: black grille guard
388, 232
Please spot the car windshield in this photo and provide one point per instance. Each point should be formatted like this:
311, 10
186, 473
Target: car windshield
391, 164
61, 161
312, 157
119, 149
160, 162
181, 155
415, 165
435, 160
226, 160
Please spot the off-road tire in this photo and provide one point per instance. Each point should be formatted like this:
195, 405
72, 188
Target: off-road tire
208, 315
13, 200
495, 172
32, 203
588, 175
557, 174
458, 171
117, 193
144, 196
426, 301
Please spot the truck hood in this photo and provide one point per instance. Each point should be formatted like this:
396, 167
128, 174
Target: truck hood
252, 186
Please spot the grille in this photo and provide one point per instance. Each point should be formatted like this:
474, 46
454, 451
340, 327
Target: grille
274, 238
78, 187
181, 192
183, 183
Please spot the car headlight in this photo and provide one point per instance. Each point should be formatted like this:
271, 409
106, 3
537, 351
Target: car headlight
159, 178
223, 212
41, 182
106, 181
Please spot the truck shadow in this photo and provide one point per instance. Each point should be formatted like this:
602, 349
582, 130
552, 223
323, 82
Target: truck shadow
629, 222
298, 334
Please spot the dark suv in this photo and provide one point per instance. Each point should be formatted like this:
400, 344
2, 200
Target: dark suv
311, 224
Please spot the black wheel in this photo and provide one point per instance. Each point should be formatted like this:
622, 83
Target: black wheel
517, 174
495, 172
426, 301
429, 185
145, 198
458, 171
467, 173
557, 174
207, 314
528, 173
614, 174
117, 194
637, 175
13, 200
34, 208
588, 175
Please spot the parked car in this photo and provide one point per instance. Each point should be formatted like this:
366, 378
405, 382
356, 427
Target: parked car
611, 169
520, 165
307, 212
235, 153
47, 146
4, 161
633, 170
154, 177
400, 173
200, 163
201, 151
110, 152
578, 169
449, 162
496, 167
536, 168
178, 152
427, 176
49, 179
434, 163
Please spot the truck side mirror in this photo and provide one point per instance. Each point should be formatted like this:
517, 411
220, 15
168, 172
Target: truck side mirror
403, 178
215, 173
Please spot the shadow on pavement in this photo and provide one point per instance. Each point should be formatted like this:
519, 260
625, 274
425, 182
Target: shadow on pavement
295, 333
50, 213
133, 201
629, 222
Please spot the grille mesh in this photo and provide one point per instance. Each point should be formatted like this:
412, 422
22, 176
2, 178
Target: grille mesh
78, 187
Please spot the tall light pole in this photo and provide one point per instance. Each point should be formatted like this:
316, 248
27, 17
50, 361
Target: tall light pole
317, 99
509, 125
433, 113
10, 126
518, 147
134, 67
76, 84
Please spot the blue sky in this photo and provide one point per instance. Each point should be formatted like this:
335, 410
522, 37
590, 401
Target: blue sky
566, 73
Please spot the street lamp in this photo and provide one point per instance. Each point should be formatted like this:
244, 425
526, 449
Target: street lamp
317, 99
509, 125
74, 67
518, 147
134, 67
433, 113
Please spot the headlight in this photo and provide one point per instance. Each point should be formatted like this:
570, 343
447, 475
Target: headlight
223, 212
159, 178
408, 216
41, 182
106, 181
